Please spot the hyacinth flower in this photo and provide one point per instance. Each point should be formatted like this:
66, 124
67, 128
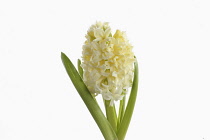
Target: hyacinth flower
108, 67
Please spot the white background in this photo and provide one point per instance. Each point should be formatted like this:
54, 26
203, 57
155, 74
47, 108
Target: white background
171, 40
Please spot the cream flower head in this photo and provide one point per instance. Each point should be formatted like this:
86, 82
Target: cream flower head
107, 62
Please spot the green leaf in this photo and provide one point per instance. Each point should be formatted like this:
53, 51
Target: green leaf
130, 107
80, 68
121, 111
111, 114
89, 101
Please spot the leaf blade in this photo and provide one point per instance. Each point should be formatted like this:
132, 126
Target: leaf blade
130, 107
89, 101
111, 114
80, 70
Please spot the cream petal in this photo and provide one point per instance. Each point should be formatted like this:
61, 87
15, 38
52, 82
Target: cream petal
107, 62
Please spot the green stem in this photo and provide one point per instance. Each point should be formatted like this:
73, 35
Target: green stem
121, 111
111, 114
94, 109
130, 107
